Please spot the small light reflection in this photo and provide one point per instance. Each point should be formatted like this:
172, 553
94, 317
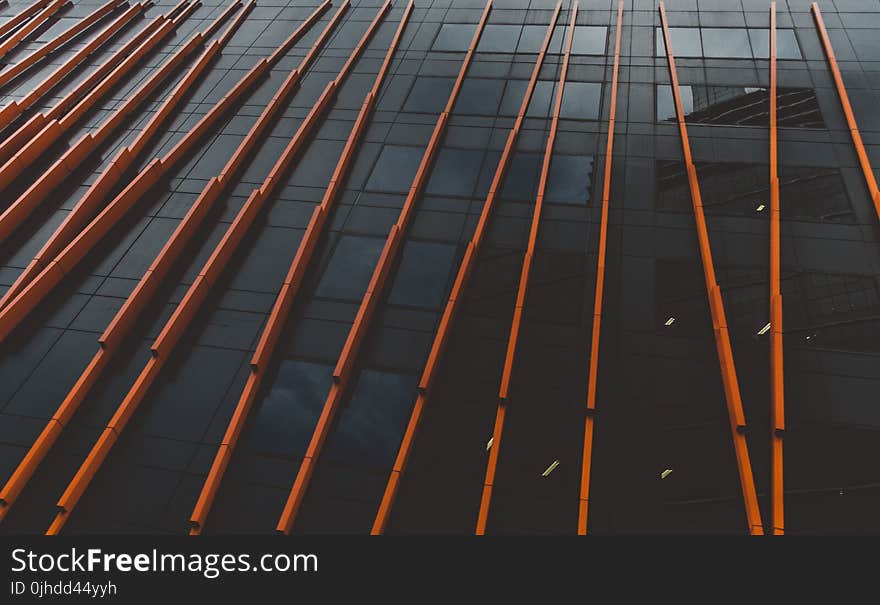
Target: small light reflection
550, 468
760, 208
764, 330
666, 473
489, 443
670, 321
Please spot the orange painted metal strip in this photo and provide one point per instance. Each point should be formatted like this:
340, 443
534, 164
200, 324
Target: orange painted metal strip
777, 380
27, 131
32, 150
864, 162
29, 142
342, 372
219, 259
289, 290
90, 375
89, 204
593, 373
716, 305
452, 304
522, 290
26, 301
27, 29
15, 108
55, 43
23, 16
79, 152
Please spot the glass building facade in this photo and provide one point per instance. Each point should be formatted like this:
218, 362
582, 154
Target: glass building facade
235, 338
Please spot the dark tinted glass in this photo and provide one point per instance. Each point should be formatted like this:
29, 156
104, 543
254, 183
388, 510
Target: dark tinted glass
286, 417
743, 190
521, 180
455, 172
372, 422
569, 179
786, 44
423, 274
499, 39
725, 42
454, 37
686, 42
741, 106
395, 169
479, 96
581, 101
350, 268
589, 40
429, 95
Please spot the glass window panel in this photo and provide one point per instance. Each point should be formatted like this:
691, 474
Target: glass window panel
395, 169
589, 40
581, 101
455, 172
521, 180
532, 38
725, 42
372, 422
570, 179
499, 39
423, 274
786, 44
666, 104
454, 37
685, 42
479, 96
348, 273
429, 95
866, 43
539, 105
286, 417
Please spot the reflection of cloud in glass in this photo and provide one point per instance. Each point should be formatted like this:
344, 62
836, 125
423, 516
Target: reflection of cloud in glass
372, 422
286, 417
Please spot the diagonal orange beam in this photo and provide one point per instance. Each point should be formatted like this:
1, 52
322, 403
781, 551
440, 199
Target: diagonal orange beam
732, 396
33, 149
15, 108
289, 289
522, 291
44, 442
343, 371
455, 297
75, 155
57, 267
593, 372
777, 381
23, 16
220, 258
57, 42
864, 163
27, 29
25, 133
